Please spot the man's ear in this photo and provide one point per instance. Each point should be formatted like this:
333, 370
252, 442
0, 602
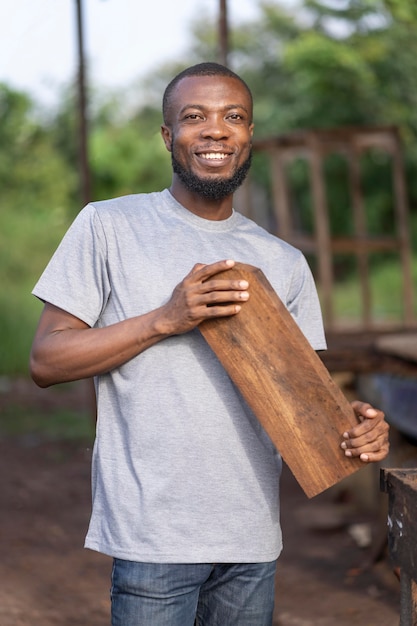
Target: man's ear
166, 136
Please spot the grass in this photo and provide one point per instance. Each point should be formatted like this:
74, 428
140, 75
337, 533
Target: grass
58, 425
386, 294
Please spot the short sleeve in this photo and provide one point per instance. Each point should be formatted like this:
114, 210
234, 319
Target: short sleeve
76, 278
304, 305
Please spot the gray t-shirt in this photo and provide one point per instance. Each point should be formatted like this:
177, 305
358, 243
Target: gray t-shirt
182, 470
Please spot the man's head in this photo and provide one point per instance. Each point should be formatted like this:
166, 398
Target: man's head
208, 129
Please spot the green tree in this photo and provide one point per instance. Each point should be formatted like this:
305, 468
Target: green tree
34, 179
128, 155
35, 184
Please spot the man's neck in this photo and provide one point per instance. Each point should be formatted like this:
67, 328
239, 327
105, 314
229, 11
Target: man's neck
203, 207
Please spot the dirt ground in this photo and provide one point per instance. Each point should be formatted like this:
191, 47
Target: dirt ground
324, 578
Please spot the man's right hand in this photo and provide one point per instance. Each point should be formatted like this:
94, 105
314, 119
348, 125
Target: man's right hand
200, 295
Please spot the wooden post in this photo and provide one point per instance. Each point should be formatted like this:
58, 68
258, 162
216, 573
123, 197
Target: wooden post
84, 165
322, 229
223, 34
361, 234
401, 486
403, 225
280, 194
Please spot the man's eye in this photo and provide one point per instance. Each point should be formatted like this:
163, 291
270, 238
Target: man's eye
193, 116
235, 116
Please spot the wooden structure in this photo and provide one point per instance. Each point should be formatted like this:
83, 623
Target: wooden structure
401, 486
288, 388
315, 146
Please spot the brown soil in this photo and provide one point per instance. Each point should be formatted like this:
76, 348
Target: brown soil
48, 579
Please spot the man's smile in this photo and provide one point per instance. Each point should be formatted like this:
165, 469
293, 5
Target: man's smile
216, 156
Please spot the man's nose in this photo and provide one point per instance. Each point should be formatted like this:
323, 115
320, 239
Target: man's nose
215, 127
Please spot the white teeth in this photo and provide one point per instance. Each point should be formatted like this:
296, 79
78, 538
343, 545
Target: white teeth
214, 155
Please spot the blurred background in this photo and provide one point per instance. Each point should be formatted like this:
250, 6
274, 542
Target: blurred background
334, 172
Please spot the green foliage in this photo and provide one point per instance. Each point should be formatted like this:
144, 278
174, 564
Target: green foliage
33, 175
401, 10
325, 72
35, 186
128, 158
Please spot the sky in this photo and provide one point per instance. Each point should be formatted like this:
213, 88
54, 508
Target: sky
124, 39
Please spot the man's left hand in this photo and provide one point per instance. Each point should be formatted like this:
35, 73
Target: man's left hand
369, 439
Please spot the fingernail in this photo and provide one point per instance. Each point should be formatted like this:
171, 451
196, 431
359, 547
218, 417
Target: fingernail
348, 453
364, 457
343, 445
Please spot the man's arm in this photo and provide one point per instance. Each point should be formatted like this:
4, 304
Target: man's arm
65, 348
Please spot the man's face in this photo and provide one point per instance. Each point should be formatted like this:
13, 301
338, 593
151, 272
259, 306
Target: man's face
209, 134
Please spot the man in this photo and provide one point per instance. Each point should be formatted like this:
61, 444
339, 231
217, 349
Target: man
185, 480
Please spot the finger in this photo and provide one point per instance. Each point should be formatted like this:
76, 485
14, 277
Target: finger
369, 428
224, 310
225, 289
197, 267
200, 280
365, 410
220, 304
205, 271
369, 454
366, 441
213, 298
205, 305
372, 446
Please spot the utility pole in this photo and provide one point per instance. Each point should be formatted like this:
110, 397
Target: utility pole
84, 168
223, 33
83, 161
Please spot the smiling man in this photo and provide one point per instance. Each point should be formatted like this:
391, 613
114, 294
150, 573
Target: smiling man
185, 480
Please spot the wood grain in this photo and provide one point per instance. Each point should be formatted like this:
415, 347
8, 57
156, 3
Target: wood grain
285, 383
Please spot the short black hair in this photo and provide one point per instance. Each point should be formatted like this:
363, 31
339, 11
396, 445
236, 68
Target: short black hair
201, 69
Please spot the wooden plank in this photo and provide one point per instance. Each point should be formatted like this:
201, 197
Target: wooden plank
285, 384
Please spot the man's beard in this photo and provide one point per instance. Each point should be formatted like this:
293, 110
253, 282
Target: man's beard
211, 188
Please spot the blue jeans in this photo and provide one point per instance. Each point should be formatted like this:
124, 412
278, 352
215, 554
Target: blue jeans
218, 594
